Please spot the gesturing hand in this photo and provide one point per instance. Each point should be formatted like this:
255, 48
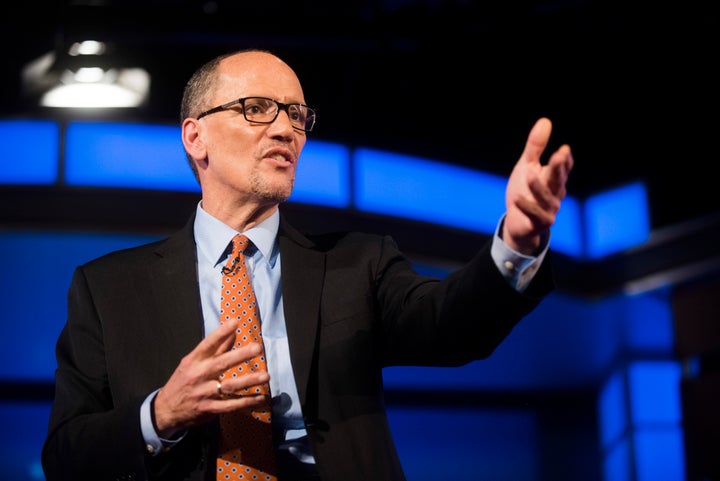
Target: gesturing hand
534, 190
192, 394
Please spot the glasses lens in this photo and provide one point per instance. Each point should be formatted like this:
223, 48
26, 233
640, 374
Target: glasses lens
308, 118
301, 116
258, 109
297, 114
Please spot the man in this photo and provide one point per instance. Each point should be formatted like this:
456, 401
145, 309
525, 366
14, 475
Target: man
140, 385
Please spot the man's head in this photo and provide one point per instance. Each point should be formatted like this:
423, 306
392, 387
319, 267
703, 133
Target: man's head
240, 151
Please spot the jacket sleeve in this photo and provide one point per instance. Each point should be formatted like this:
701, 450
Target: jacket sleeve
455, 320
88, 436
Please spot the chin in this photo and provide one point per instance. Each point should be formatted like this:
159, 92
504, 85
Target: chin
277, 191
277, 196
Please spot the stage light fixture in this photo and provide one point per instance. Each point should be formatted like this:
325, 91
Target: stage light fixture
86, 75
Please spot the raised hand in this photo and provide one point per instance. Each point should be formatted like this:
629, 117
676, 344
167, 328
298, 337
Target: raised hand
534, 190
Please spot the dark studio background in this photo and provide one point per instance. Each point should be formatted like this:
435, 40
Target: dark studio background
632, 86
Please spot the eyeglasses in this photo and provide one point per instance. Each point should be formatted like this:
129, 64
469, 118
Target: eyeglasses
262, 110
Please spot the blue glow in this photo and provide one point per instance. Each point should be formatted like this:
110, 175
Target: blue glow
414, 188
432, 270
616, 466
566, 235
659, 455
655, 432
31, 150
500, 444
649, 326
323, 175
612, 410
147, 156
655, 392
616, 220
28, 336
23, 427
136, 156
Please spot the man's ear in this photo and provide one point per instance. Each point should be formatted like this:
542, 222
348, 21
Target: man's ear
193, 141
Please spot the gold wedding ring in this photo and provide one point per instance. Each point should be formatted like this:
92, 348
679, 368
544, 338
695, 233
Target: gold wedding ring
224, 394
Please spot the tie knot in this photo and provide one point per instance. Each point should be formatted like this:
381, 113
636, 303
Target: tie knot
240, 243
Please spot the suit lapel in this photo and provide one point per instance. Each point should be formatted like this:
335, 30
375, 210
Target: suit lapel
303, 271
174, 283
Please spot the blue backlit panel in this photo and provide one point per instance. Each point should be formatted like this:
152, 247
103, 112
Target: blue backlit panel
323, 175
566, 234
655, 388
659, 454
650, 446
30, 152
420, 189
28, 336
616, 220
415, 188
612, 406
125, 155
616, 466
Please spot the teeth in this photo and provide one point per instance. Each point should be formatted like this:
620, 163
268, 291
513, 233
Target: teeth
278, 157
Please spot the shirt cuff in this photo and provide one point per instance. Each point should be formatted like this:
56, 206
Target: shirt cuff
518, 269
154, 444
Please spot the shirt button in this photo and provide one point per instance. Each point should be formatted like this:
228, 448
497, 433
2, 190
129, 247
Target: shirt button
149, 449
509, 265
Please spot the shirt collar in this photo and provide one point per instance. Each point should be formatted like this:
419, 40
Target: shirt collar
213, 236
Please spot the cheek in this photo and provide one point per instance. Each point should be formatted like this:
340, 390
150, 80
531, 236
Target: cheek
300, 143
233, 155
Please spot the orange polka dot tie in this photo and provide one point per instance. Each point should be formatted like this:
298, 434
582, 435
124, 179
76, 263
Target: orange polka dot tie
245, 449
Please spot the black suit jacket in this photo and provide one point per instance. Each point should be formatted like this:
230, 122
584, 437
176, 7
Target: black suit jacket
352, 304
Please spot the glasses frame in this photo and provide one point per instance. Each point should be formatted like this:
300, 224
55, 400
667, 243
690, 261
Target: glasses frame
281, 106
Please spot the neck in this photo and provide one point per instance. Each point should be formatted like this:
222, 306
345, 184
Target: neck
240, 217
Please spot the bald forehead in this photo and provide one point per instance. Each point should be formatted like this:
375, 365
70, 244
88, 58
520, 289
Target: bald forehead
248, 60
249, 71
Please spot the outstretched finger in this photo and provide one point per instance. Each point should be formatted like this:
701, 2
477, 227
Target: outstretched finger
234, 356
558, 169
217, 341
